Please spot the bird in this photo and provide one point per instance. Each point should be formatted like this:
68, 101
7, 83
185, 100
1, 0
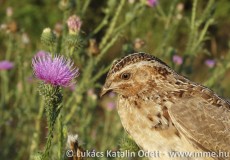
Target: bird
164, 111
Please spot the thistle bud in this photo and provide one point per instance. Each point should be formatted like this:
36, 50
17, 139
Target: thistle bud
65, 4
93, 47
180, 7
74, 24
58, 29
138, 43
9, 11
151, 3
12, 26
48, 38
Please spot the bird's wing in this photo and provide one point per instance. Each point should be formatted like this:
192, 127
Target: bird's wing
205, 124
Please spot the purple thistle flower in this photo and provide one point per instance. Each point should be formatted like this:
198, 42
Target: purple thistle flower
57, 71
112, 94
6, 65
177, 59
111, 105
41, 53
210, 63
151, 3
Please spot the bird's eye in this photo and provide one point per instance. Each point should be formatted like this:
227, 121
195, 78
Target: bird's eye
125, 76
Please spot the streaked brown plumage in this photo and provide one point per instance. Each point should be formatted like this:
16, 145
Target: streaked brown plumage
164, 111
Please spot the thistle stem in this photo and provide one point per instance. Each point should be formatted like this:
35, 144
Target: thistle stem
53, 99
48, 142
112, 25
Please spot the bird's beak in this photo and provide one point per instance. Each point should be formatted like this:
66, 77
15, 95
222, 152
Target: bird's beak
104, 91
106, 88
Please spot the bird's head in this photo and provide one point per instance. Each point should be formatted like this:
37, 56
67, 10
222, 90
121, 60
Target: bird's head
131, 74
